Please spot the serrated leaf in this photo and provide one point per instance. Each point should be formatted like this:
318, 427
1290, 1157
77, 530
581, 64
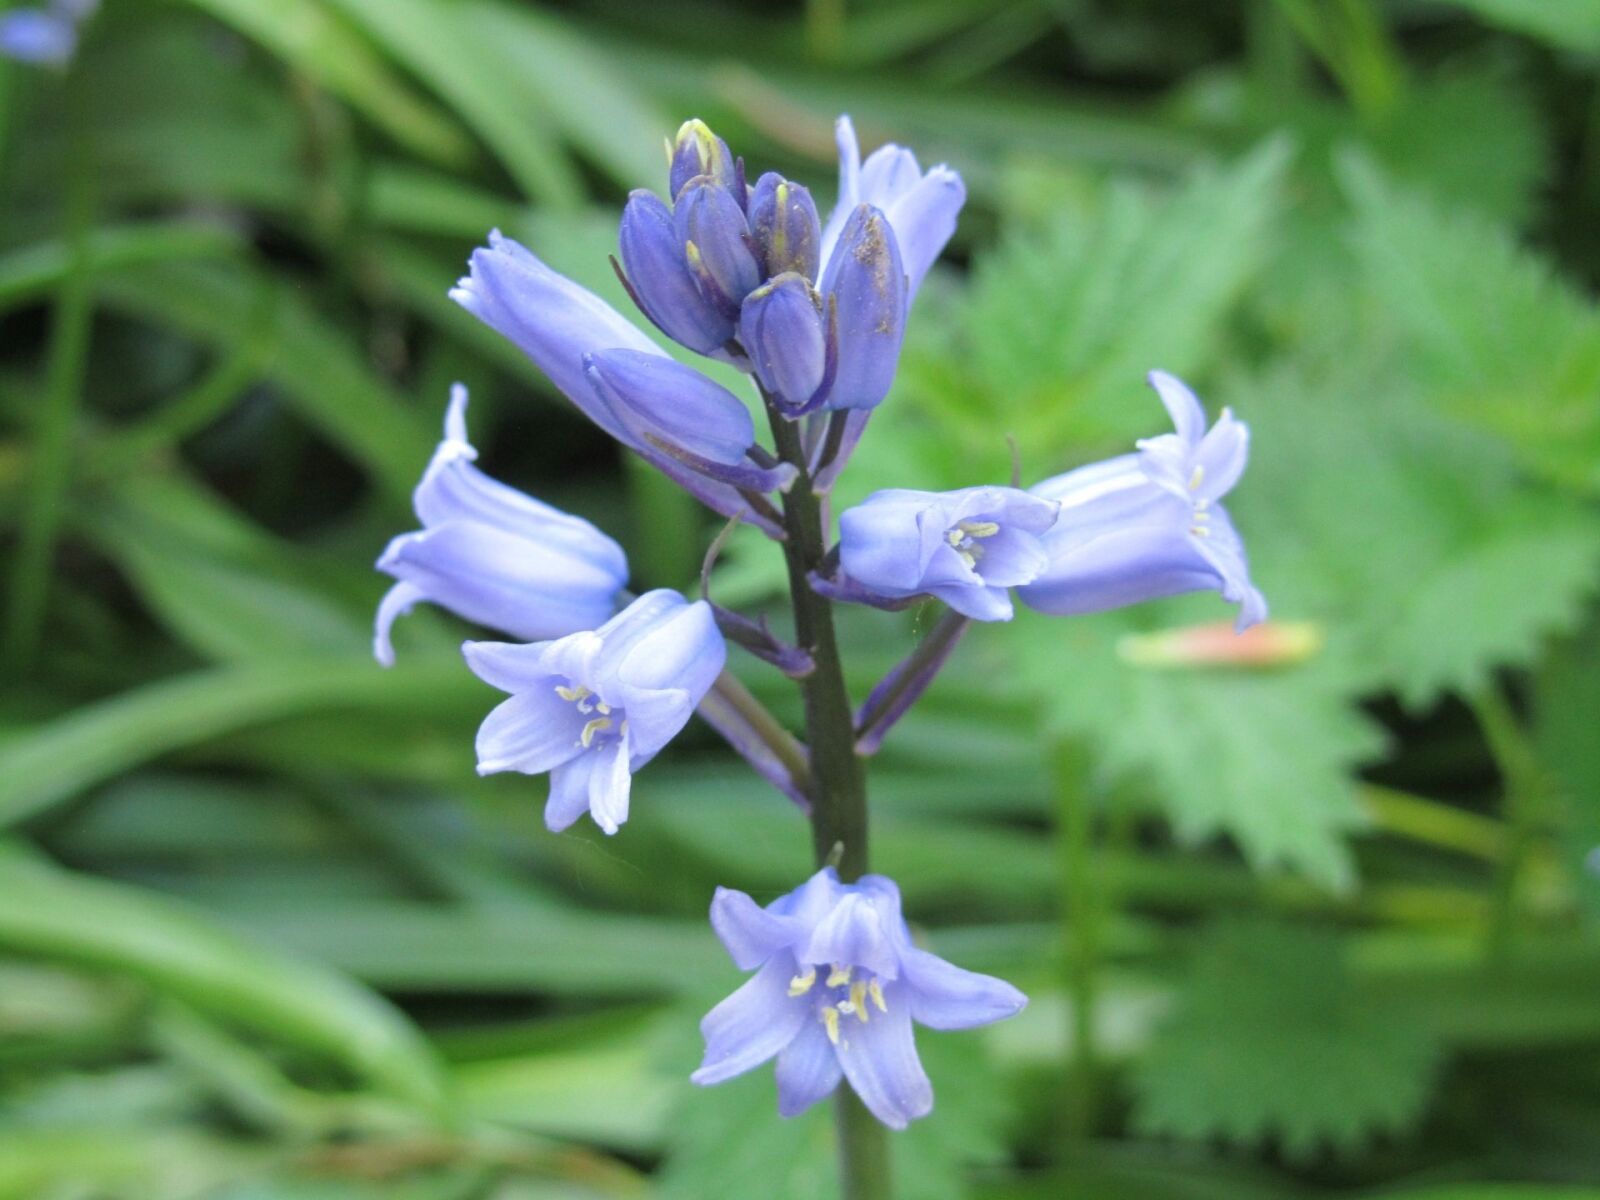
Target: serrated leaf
1501, 340
1270, 1040
1265, 758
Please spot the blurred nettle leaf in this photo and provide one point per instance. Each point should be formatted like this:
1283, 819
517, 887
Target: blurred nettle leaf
1501, 340
1414, 540
1265, 758
1272, 1040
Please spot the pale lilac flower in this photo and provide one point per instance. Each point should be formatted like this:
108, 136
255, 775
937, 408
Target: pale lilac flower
837, 986
921, 207
47, 37
1146, 525
557, 324
592, 708
494, 555
966, 547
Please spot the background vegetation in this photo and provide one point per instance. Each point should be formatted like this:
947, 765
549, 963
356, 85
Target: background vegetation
1310, 927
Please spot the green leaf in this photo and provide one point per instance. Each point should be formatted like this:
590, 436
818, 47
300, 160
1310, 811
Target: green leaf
1500, 340
1264, 757
442, 44
42, 767
326, 48
1271, 1040
1566, 24
88, 922
321, 374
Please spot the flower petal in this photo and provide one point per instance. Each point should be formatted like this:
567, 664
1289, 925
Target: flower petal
976, 601
1188, 415
867, 282
750, 933
652, 257
610, 783
924, 218
808, 1070
880, 1061
853, 933
396, 603
532, 732
752, 1025
945, 996
551, 319
569, 793
1222, 456
844, 136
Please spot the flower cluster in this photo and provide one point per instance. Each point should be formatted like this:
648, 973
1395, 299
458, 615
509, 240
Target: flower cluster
600, 681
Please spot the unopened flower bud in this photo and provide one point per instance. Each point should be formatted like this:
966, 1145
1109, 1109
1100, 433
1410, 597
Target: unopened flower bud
698, 151
659, 276
783, 221
716, 244
783, 329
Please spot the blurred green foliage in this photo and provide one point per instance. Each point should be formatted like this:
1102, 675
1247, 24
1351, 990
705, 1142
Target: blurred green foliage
1318, 927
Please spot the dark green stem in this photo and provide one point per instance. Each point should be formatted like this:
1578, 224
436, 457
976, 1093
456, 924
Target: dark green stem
838, 790
1523, 782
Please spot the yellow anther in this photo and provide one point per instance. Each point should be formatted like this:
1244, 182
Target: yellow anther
954, 536
979, 529
839, 976
572, 693
801, 984
598, 725
875, 989
970, 557
858, 1000
692, 253
1196, 479
605, 709
830, 1022
1200, 531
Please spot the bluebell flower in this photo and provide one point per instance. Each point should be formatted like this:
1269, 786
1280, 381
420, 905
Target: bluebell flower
966, 547
47, 37
1146, 525
921, 207
593, 707
697, 151
493, 555
557, 323
837, 986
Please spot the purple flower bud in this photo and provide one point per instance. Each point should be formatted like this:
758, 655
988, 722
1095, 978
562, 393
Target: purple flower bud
32, 35
920, 207
658, 275
783, 221
1147, 525
592, 708
698, 151
837, 986
676, 411
716, 244
493, 555
865, 282
784, 331
966, 547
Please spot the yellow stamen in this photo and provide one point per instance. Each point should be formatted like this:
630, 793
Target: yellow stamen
801, 984
970, 557
979, 529
830, 1022
572, 693
954, 536
1196, 479
839, 976
605, 709
858, 999
876, 991
598, 725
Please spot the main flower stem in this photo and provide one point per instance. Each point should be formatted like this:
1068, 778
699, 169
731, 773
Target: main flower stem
838, 776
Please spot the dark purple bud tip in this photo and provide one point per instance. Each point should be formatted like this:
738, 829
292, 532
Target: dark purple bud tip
698, 151
783, 221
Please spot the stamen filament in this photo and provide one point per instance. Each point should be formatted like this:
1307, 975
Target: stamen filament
801, 984
839, 976
598, 725
830, 1022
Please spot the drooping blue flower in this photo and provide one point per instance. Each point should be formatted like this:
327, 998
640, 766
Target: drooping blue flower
494, 555
921, 207
557, 323
593, 707
837, 986
1146, 525
966, 547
